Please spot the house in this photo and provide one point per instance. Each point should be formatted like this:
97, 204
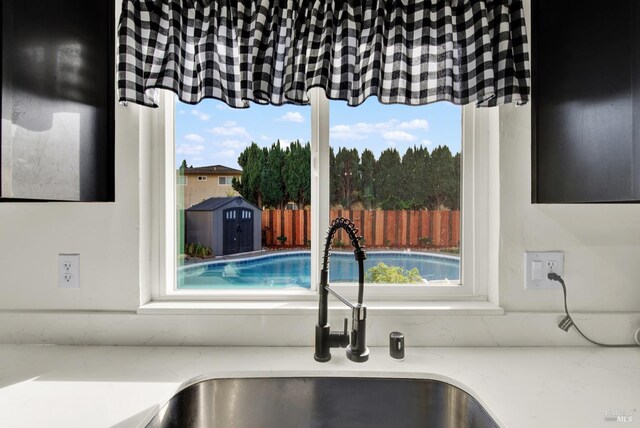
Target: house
204, 182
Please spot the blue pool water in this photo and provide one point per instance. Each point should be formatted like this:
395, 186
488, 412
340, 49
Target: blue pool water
292, 270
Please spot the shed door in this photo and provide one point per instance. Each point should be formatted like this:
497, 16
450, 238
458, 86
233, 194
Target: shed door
237, 230
245, 230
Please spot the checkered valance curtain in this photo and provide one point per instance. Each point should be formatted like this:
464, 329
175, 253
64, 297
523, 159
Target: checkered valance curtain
272, 51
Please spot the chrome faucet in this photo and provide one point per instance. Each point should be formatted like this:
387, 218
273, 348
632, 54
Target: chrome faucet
325, 338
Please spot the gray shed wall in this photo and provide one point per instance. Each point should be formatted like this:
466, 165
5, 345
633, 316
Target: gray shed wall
217, 225
199, 228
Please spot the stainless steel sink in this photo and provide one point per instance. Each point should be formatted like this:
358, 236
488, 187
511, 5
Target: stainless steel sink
285, 402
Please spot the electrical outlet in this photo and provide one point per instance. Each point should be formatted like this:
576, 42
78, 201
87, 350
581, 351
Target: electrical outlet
538, 264
69, 270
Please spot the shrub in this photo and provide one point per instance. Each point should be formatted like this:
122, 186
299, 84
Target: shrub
282, 239
393, 275
197, 250
425, 241
339, 244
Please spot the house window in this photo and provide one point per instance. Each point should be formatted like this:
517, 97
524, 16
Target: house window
225, 181
396, 171
202, 178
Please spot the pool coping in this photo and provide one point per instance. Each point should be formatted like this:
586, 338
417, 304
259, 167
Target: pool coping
292, 253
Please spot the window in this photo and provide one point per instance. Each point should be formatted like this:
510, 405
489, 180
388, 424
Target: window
409, 226
202, 178
225, 181
395, 170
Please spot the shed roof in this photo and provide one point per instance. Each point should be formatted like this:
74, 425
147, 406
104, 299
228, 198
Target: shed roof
213, 204
211, 169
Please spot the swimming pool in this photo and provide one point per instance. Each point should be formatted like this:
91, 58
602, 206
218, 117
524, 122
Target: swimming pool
292, 269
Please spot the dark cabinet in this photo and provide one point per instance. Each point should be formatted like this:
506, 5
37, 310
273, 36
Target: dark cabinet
586, 101
57, 100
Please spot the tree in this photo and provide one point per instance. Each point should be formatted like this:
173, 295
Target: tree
252, 161
388, 179
416, 187
297, 173
367, 184
348, 177
441, 175
454, 202
183, 165
272, 184
334, 197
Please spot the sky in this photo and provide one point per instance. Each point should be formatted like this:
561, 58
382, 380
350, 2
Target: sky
211, 133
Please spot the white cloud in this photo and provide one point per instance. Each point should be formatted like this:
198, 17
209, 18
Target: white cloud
397, 136
182, 112
200, 115
194, 137
390, 130
415, 124
223, 107
231, 129
189, 149
427, 142
265, 138
356, 131
292, 116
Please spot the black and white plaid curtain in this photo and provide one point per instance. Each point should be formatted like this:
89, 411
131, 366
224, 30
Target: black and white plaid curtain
272, 51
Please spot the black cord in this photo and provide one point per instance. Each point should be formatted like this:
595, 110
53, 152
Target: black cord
567, 321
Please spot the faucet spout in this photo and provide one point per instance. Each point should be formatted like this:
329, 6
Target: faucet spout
325, 339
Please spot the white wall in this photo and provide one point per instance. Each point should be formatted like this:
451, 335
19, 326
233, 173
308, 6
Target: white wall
601, 245
601, 241
105, 234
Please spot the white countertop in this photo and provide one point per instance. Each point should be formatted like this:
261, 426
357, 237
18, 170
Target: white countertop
101, 386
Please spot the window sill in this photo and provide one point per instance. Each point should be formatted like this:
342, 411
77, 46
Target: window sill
311, 308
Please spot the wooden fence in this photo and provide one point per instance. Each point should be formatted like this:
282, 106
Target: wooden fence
380, 228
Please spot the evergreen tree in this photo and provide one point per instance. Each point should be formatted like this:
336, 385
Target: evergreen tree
334, 196
367, 184
252, 161
183, 165
272, 178
347, 163
388, 179
297, 173
454, 202
441, 175
413, 177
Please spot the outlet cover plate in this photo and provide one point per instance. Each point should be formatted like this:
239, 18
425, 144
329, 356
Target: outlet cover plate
69, 270
538, 264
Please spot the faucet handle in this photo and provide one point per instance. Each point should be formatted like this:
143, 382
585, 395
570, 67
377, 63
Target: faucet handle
346, 324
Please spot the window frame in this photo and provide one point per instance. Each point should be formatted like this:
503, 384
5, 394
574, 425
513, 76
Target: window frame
479, 214
227, 180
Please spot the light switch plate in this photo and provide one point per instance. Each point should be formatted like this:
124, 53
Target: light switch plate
69, 270
538, 264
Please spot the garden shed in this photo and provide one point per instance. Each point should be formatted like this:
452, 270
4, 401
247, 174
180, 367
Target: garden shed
228, 225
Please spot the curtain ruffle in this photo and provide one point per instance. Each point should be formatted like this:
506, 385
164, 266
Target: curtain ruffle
272, 52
